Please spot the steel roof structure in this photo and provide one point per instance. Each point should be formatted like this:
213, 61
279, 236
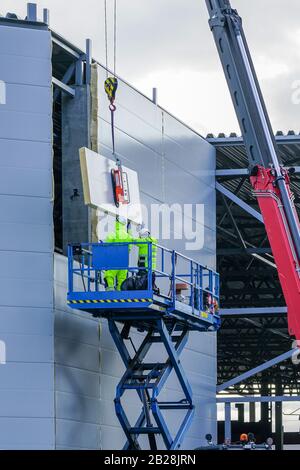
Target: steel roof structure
254, 326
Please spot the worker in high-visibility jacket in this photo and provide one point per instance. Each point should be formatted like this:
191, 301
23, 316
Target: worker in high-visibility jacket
115, 278
146, 238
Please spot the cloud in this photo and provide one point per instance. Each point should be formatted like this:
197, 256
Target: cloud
166, 43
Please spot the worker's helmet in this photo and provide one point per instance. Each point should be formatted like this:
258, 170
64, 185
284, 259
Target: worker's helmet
144, 233
122, 220
243, 438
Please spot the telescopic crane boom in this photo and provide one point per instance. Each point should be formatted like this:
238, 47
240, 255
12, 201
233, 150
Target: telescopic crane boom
270, 181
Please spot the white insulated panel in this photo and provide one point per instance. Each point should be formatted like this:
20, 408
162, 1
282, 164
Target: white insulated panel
98, 189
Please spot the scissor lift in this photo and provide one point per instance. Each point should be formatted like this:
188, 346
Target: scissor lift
161, 316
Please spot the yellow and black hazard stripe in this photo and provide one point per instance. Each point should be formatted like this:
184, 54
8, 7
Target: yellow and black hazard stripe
111, 86
204, 315
109, 301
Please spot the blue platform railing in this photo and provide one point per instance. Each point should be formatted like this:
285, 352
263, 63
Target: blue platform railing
180, 295
88, 263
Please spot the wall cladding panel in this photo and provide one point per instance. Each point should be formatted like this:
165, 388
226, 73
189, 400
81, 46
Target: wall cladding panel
26, 239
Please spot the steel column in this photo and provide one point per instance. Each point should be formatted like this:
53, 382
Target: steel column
31, 12
256, 370
227, 421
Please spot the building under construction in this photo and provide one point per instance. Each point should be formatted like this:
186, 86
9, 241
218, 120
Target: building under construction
68, 347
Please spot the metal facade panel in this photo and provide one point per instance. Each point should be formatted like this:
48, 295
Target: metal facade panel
136, 127
22, 433
79, 381
26, 70
29, 293
26, 210
26, 240
27, 376
79, 435
26, 320
26, 266
77, 328
112, 437
72, 353
77, 371
25, 181
25, 403
25, 126
28, 348
24, 42
188, 150
27, 99
35, 238
75, 407
16, 151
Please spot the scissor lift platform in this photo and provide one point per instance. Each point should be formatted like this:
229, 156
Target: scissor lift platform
158, 313
117, 306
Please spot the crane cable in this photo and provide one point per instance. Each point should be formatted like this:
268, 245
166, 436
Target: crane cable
111, 83
106, 34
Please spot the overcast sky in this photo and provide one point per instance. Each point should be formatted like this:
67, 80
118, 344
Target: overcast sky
167, 44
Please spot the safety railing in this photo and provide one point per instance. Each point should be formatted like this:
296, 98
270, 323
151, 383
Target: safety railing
164, 272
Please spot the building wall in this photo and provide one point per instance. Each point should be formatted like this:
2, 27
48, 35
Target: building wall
175, 165
26, 240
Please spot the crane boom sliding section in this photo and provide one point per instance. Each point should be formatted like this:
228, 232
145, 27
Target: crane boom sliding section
271, 183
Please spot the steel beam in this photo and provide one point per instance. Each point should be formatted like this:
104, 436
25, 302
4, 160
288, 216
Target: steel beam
239, 142
239, 202
239, 312
243, 251
253, 399
237, 230
256, 370
66, 78
237, 172
66, 47
63, 87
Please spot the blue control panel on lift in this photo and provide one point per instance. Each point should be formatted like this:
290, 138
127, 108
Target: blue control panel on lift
178, 286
